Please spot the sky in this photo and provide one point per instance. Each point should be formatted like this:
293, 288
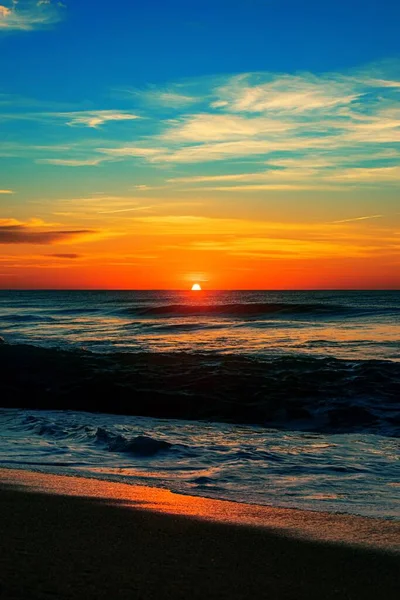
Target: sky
238, 144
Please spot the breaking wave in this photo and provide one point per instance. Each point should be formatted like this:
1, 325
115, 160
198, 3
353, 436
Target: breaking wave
295, 392
255, 309
141, 445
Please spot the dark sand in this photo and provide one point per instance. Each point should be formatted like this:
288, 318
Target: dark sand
131, 542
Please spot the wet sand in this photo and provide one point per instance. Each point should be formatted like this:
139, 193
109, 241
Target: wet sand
67, 537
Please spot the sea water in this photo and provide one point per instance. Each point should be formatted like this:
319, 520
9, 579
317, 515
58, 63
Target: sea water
309, 382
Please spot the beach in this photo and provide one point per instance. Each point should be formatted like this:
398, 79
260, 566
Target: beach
69, 537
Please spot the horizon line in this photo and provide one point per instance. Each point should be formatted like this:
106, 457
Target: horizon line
383, 289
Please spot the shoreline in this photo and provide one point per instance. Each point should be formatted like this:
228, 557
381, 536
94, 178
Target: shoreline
68, 538
318, 526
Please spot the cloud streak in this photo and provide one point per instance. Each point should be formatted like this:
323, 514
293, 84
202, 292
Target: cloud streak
358, 219
94, 118
15, 232
71, 162
77, 118
168, 98
65, 255
260, 93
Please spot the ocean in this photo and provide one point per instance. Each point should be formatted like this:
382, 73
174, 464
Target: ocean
277, 398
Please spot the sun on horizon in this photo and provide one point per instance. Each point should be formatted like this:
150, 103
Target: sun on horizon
196, 287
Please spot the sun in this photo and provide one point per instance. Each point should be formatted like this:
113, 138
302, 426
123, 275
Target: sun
196, 287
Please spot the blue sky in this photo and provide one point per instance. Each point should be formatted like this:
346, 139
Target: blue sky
96, 45
265, 111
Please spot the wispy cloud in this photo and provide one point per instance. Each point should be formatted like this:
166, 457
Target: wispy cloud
297, 174
168, 97
63, 260
26, 15
101, 206
208, 152
269, 186
122, 210
6, 192
134, 151
95, 118
259, 93
258, 115
214, 127
376, 175
270, 175
81, 118
71, 162
265, 131
65, 255
358, 219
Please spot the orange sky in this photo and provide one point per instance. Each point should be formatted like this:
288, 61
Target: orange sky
174, 251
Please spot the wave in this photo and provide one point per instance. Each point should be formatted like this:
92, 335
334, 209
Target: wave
316, 394
141, 445
255, 309
170, 327
21, 318
75, 311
